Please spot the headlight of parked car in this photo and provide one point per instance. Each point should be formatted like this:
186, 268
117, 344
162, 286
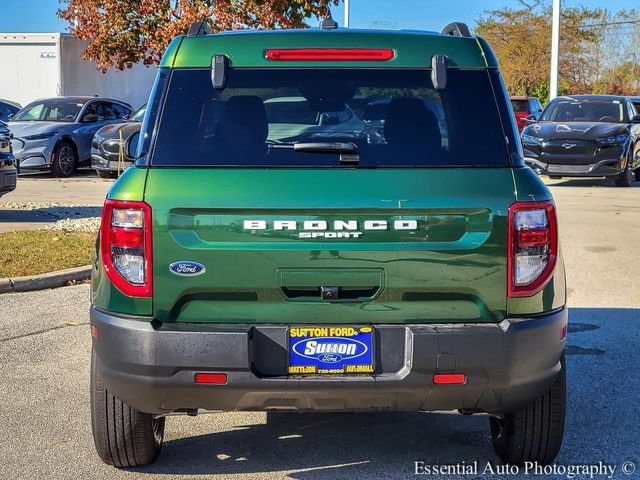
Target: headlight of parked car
40, 136
5, 144
530, 139
614, 140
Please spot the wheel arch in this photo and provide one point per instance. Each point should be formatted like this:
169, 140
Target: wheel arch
69, 139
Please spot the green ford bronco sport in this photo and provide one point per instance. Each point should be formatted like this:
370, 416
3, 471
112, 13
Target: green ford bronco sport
328, 220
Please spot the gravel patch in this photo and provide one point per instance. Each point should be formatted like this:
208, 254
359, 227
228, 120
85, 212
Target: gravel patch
89, 225
68, 217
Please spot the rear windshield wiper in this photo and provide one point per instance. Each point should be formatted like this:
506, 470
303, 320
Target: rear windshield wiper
348, 151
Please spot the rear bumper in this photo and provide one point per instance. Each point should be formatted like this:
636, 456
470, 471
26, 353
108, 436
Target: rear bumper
8, 179
152, 368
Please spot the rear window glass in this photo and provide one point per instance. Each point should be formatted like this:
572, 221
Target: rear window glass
520, 106
391, 118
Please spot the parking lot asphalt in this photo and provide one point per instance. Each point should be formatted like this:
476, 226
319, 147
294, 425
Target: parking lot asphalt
44, 370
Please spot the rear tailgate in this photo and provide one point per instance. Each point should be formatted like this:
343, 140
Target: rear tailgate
429, 246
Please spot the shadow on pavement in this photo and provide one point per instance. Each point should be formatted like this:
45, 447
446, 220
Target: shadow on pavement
80, 174
587, 182
603, 358
24, 216
48, 214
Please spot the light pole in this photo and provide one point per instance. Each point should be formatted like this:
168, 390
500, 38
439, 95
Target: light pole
346, 13
555, 50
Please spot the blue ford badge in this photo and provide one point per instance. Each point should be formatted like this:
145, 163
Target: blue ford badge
187, 268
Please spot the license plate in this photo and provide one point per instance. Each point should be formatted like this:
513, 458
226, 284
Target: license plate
330, 350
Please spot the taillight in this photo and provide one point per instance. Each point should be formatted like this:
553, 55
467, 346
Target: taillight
330, 54
533, 247
125, 244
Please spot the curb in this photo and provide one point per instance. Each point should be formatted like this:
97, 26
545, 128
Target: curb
45, 280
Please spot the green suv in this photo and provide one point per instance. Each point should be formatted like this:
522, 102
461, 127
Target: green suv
403, 259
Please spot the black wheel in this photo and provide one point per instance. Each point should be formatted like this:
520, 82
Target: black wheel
637, 175
64, 161
555, 177
533, 433
105, 174
123, 436
625, 178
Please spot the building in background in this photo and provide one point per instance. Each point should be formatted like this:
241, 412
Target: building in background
39, 65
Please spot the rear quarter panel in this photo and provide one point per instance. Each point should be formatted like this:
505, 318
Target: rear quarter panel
104, 295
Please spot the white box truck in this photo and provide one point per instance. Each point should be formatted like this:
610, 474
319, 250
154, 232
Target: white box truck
40, 65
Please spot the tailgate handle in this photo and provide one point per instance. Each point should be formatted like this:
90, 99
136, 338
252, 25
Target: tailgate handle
330, 284
329, 294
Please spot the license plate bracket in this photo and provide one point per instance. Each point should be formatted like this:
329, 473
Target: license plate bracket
336, 350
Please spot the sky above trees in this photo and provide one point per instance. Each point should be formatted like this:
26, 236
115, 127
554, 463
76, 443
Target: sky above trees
18, 15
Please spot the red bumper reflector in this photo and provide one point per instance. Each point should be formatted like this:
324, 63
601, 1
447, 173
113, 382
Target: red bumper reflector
330, 54
563, 333
211, 378
94, 332
449, 378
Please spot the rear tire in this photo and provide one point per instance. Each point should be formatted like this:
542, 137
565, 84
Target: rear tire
554, 177
123, 436
533, 433
65, 160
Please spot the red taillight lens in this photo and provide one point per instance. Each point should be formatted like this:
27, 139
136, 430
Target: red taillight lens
330, 54
211, 378
126, 237
537, 237
532, 246
125, 246
449, 378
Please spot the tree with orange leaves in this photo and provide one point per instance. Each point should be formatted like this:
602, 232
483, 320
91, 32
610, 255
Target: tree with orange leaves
122, 33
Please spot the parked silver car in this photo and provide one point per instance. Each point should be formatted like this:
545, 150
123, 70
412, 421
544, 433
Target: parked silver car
56, 133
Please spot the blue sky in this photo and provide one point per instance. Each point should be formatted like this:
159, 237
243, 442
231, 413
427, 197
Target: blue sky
40, 15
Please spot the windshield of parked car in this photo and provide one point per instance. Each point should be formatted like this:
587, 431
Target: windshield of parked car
138, 115
55, 110
302, 118
570, 110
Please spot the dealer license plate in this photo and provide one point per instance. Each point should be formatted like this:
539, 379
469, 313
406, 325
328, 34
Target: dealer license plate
331, 350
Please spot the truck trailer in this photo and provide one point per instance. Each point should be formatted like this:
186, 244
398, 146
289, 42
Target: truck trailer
40, 65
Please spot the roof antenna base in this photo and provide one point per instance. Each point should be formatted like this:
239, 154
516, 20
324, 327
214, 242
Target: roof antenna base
457, 29
199, 28
328, 23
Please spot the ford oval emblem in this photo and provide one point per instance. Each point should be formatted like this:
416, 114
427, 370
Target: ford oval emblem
187, 268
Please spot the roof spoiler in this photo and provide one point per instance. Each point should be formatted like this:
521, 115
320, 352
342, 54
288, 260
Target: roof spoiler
199, 28
457, 29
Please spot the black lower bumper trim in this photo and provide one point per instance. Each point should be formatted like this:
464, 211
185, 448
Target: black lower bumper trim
152, 367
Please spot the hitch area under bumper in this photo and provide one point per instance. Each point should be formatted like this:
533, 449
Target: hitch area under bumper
152, 367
